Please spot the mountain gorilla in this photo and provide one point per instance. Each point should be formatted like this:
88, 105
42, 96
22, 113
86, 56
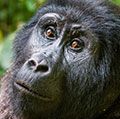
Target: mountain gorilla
66, 64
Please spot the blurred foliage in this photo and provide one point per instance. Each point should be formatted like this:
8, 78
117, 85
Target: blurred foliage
13, 13
117, 1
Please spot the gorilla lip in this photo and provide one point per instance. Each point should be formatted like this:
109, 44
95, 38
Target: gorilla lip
22, 87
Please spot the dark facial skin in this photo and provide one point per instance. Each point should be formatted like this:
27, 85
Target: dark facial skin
67, 62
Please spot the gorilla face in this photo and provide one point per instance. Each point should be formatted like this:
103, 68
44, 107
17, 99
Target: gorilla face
65, 62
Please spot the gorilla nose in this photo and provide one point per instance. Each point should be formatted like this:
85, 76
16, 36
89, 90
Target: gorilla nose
41, 66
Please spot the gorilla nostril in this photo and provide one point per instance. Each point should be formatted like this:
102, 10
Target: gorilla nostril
38, 67
32, 63
42, 68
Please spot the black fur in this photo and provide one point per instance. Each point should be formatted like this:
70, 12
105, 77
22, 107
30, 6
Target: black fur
50, 79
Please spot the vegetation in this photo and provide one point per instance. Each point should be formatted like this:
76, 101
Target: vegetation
13, 14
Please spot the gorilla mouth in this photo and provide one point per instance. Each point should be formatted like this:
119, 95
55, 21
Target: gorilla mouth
24, 88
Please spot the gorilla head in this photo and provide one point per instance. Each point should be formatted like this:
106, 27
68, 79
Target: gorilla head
66, 63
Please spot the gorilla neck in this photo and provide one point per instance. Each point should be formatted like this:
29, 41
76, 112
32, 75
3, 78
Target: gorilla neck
113, 112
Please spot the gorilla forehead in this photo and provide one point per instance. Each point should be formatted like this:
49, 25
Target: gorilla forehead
75, 11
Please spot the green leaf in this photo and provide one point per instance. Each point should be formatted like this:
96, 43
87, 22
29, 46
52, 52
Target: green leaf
116, 2
30, 5
1, 72
6, 52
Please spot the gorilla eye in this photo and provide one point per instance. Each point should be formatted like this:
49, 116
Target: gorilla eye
50, 32
77, 44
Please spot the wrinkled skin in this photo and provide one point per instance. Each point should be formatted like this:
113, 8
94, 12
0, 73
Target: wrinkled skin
66, 64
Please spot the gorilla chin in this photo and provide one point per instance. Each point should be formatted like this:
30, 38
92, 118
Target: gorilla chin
28, 91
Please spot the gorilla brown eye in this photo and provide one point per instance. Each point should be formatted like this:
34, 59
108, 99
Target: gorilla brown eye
50, 32
77, 44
